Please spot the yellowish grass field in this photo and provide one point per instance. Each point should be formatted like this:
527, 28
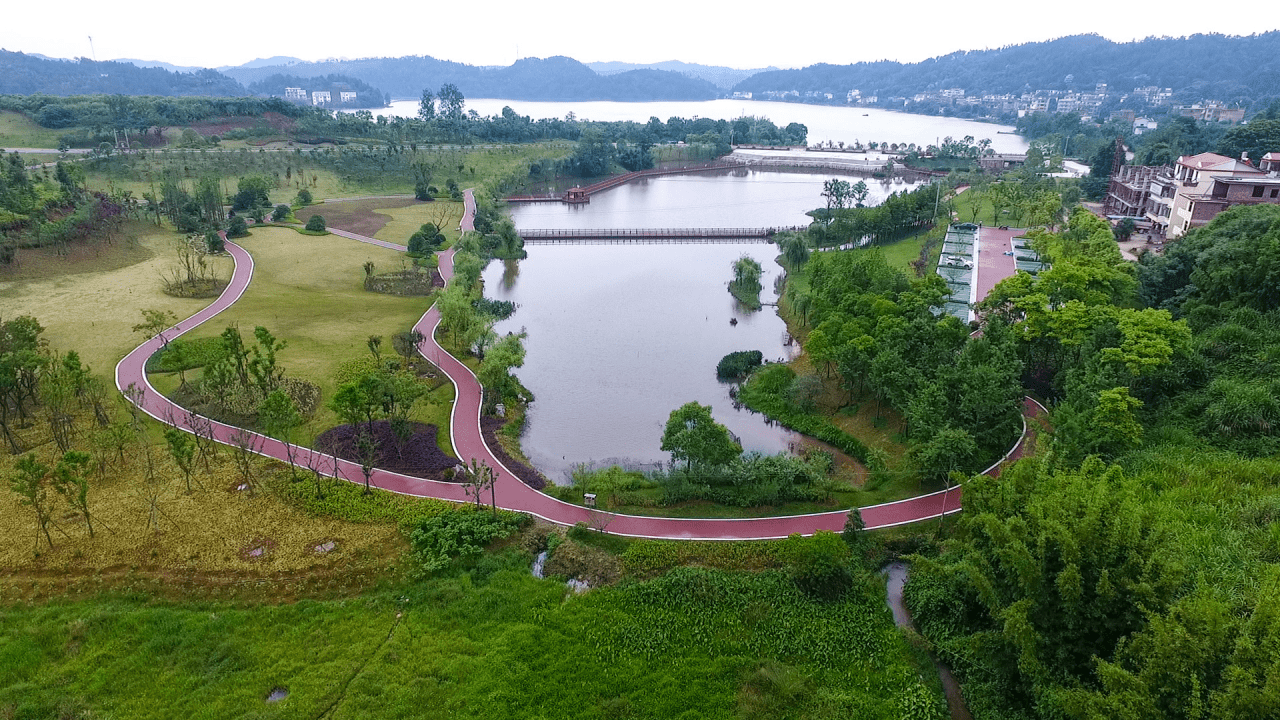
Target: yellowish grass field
327, 185
212, 529
405, 221
91, 302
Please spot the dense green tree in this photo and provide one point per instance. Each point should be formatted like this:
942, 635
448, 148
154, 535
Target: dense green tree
1052, 570
1255, 139
591, 157
71, 481
182, 451
693, 436
427, 106
947, 450
279, 418
252, 192
30, 481
1100, 166
495, 372
237, 227
1234, 261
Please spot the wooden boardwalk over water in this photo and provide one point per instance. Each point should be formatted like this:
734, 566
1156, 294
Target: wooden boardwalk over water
650, 235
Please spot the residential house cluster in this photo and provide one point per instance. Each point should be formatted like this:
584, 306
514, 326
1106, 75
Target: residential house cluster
1089, 104
1086, 103
1211, 111
1169, 201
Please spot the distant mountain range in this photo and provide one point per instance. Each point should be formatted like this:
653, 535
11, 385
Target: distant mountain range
22, 74
722, 77
275, 61
554, 78
1243, 70
1219, 67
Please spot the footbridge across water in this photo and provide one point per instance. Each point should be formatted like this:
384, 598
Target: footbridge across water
650, 235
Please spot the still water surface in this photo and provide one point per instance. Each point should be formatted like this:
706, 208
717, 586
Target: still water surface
825, 122
740, 197
621, 335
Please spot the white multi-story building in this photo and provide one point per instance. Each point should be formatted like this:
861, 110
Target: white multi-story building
347, 97
295, 94
321, 97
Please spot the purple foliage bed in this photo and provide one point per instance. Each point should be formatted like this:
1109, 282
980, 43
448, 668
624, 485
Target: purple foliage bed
419, 456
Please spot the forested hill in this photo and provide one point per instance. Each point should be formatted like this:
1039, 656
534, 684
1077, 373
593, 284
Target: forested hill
1219, 67
555, 78
720, 76
367, 96
22, 74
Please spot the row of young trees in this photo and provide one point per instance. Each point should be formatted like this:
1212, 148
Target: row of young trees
846, 220
94, 437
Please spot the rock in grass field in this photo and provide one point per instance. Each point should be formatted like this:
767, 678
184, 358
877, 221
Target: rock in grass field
418, 456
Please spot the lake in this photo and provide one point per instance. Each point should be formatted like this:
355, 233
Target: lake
825, 122
621, 335
740, 197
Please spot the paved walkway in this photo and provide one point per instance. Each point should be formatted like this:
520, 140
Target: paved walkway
469, 443
992, 264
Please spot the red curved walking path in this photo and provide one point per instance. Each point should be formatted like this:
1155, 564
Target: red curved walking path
468, 442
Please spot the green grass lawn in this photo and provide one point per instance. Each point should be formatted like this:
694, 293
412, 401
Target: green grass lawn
90, 300
18, 131
405, 221
489, 643
965, 204
308, 291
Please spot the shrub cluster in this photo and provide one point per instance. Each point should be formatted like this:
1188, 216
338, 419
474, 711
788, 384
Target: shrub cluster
738, 364
460, 533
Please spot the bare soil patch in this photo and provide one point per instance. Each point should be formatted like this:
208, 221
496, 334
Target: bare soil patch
78, 258
220, 126
360, 216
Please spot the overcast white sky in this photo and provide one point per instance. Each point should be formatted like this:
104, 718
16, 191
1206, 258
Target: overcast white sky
496, 32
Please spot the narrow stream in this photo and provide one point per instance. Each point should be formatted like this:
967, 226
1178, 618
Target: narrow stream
896, 579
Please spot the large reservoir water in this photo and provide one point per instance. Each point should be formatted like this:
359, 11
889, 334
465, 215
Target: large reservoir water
825, 122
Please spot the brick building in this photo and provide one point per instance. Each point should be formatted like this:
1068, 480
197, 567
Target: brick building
1144, 193
1195, 175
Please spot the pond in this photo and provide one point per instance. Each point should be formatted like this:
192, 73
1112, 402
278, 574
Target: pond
621, 335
